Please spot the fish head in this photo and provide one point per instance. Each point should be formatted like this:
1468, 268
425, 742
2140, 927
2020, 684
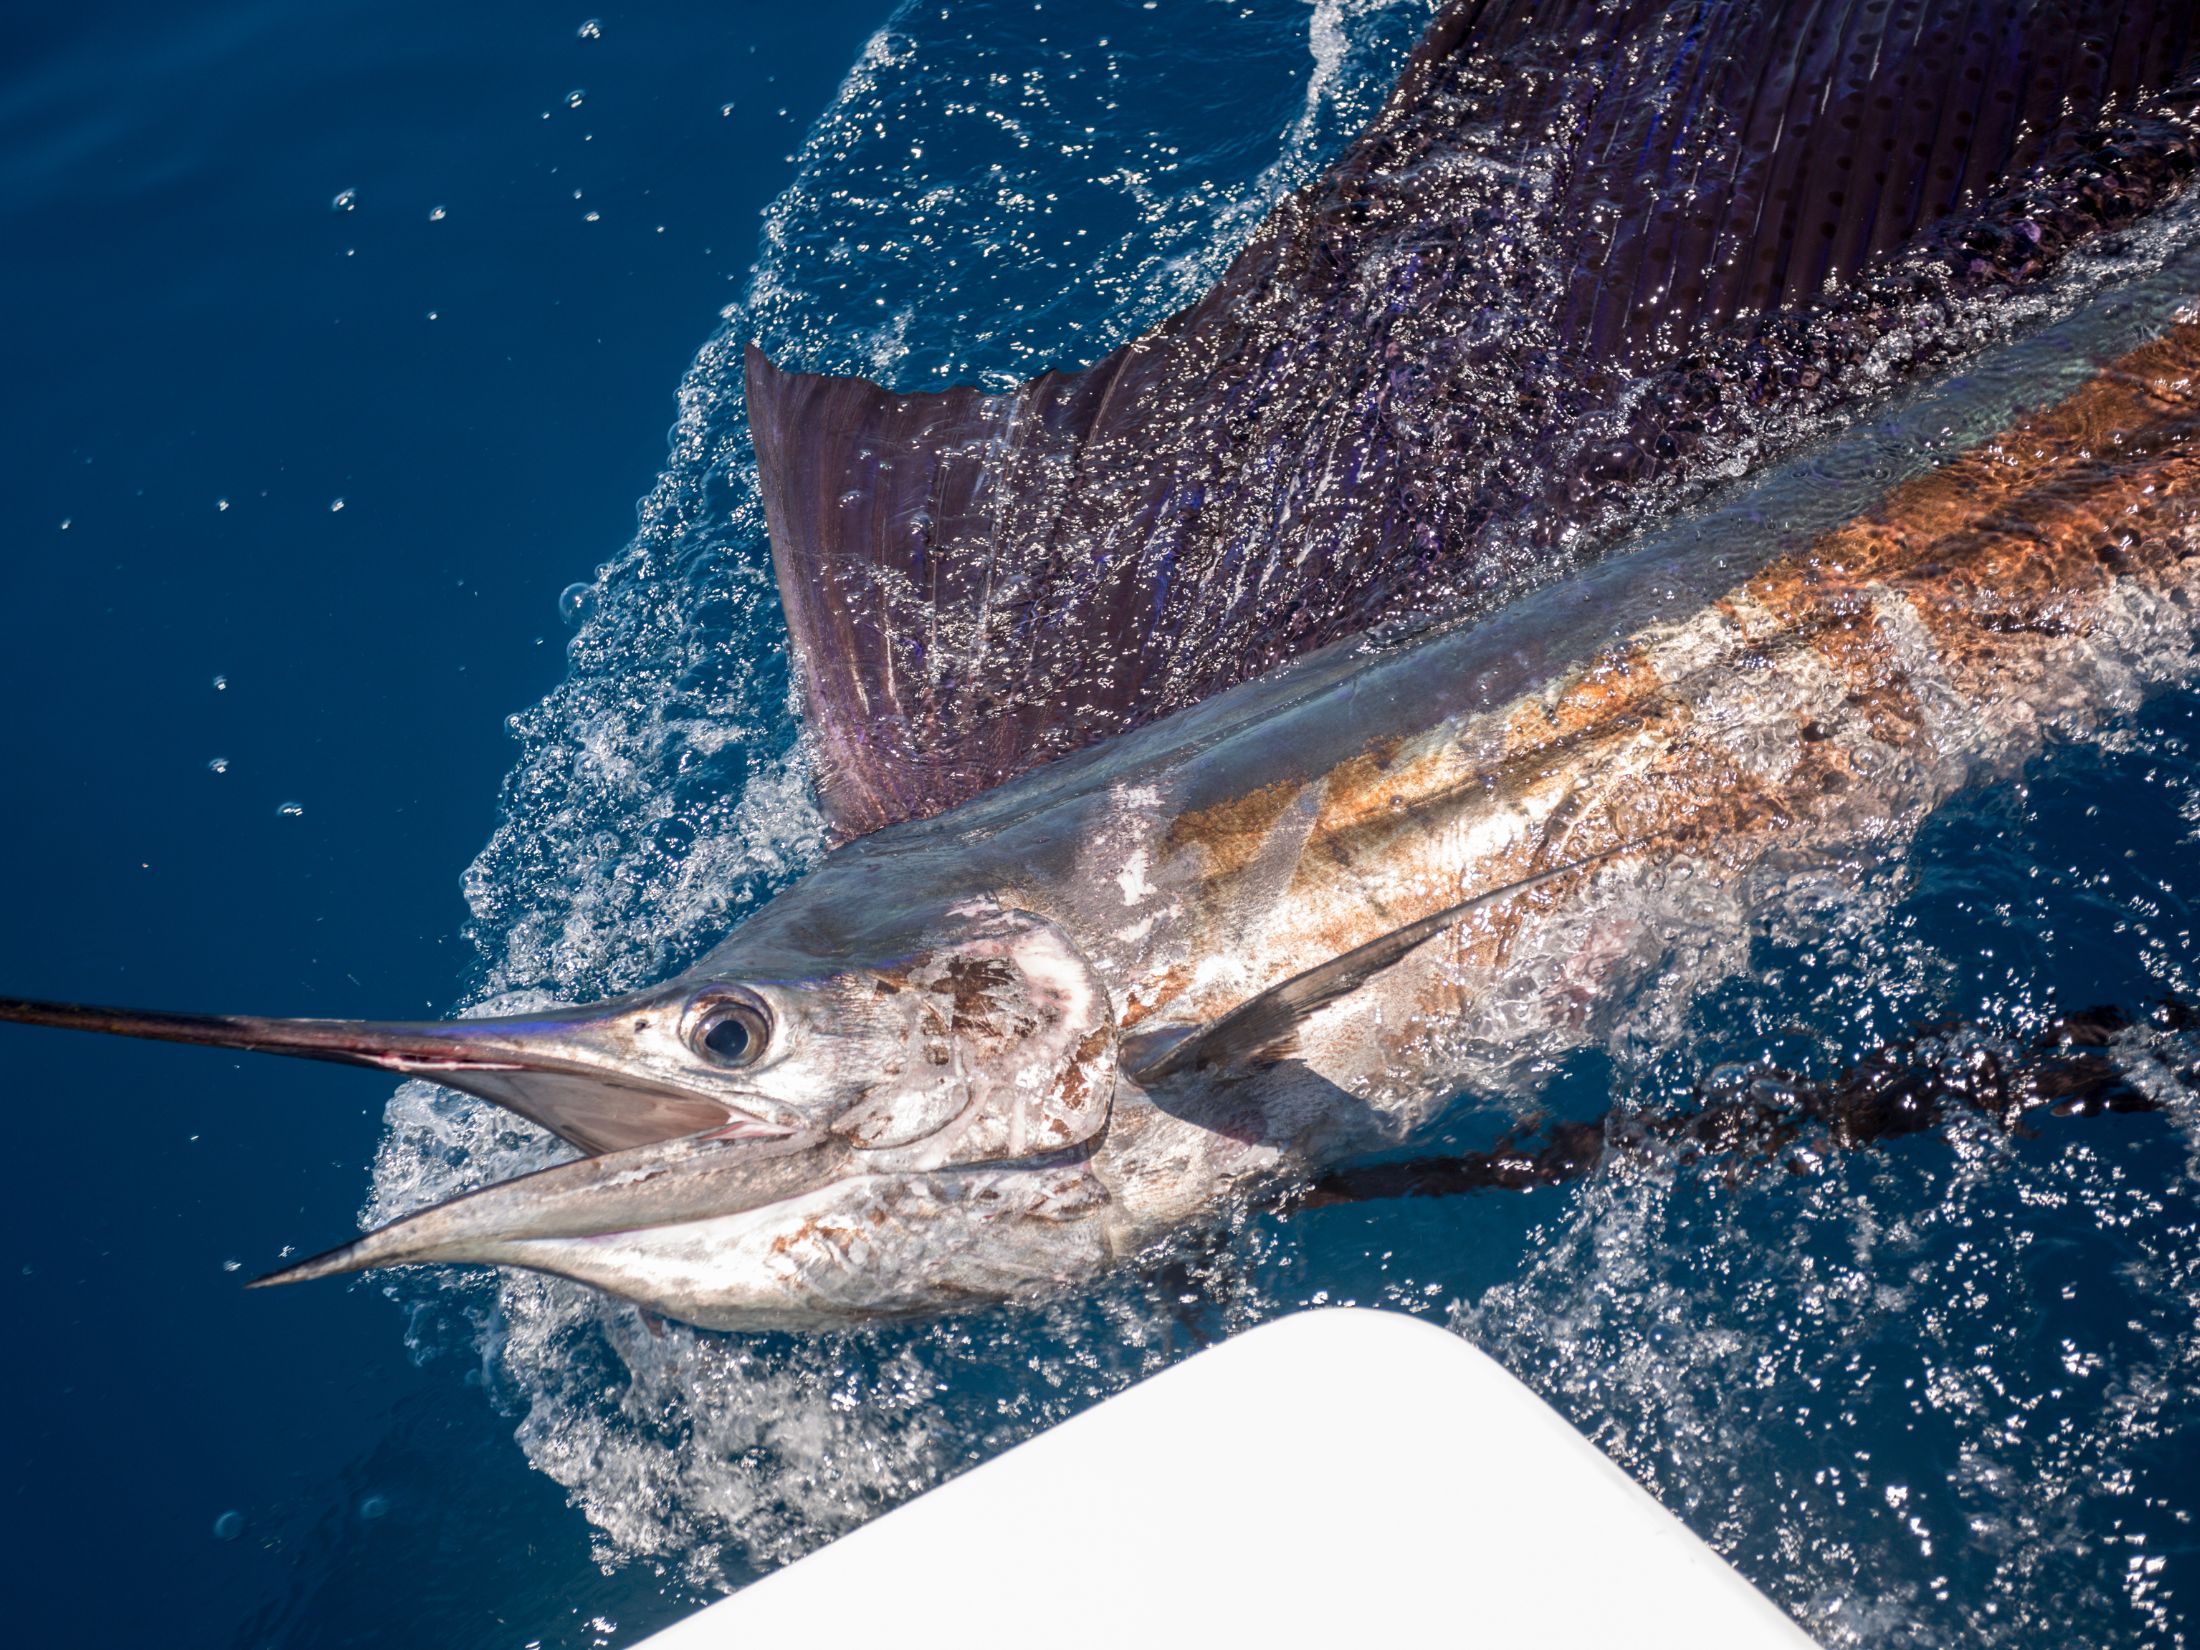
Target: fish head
980, 1035
808, 1126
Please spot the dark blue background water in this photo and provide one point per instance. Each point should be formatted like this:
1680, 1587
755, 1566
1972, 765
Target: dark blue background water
188, 320
1936, 1392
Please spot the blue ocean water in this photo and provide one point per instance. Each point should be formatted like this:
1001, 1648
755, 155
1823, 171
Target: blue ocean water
343, 341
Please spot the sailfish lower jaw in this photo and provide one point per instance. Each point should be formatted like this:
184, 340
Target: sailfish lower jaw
663, 1184
795, 1234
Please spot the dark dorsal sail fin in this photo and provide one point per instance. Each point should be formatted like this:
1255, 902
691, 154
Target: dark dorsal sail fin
1580, 242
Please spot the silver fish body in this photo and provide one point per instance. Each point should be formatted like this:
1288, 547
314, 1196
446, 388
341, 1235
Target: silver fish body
1720, 707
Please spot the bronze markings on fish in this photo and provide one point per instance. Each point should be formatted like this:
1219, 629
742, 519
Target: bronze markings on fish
992, 1050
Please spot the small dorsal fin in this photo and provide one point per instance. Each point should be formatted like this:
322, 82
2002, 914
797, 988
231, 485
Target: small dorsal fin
1580, 241
1263, 1027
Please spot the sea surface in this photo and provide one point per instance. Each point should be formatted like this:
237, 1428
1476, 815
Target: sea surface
346, 677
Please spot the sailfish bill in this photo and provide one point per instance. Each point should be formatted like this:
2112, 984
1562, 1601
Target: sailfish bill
560, 1071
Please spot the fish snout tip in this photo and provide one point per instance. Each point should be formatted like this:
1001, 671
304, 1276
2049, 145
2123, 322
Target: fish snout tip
328, 1264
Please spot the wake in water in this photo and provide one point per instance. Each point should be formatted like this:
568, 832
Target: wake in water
1793, 1362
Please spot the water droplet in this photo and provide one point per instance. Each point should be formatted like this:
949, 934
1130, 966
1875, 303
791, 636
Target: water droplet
229, 1526
592, 29
291, 810
436, 214
575, 98
374, 1506
335, 504
575, 602
221, 684
345, 200
219, 764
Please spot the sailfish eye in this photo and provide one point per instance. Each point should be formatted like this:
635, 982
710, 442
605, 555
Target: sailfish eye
729, 1031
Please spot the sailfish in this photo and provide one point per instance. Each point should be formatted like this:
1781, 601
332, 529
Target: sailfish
1238, 747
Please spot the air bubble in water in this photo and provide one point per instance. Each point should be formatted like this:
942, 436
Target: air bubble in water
436, 214
575, 601
221, 684
334, 505
345, 200
592, 29
374, 1506
575, 98
229, 1526
219, 764
291, 810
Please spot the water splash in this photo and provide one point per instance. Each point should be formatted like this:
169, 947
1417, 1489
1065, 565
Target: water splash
662, 788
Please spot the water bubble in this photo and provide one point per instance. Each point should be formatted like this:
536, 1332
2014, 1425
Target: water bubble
229, 1526
345, 200
436, 214
221, 684
594, 217
575, 98
221, 504
219, 764
374, 1506
725, 108
592, 29
229, 1265
290, 810
335, 504
575, 602
65, 524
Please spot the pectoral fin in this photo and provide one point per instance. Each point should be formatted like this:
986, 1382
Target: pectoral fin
1263, 1027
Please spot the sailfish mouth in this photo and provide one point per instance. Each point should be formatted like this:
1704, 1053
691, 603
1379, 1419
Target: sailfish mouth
658, 1153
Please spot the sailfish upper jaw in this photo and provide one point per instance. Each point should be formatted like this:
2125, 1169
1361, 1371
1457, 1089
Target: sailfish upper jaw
583, 1073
